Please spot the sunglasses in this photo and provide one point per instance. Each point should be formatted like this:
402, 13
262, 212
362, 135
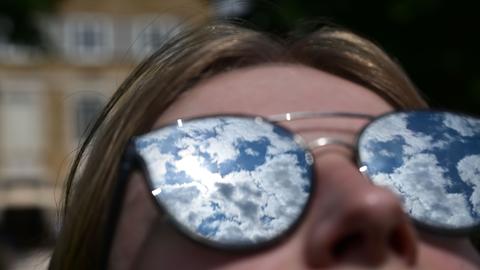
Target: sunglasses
236, 182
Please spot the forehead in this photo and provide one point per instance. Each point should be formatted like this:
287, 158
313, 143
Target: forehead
271, 89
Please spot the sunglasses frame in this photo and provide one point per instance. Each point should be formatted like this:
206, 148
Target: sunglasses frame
133, 161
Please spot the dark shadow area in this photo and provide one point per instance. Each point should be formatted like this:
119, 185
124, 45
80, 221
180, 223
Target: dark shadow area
23, 231
436, 41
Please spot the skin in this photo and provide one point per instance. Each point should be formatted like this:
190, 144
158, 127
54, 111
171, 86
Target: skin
350, 224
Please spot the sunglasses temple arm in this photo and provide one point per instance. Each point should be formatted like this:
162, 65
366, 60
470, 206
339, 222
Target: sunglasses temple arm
127, 164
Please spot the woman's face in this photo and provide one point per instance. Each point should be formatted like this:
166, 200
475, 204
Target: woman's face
350, 224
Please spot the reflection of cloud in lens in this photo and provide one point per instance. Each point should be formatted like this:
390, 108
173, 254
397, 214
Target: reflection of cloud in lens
423, 188
385, 131
464, 126
469, 171
424, 172
158, 161
256, 197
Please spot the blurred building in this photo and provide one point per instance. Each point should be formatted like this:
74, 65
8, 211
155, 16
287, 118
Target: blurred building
48, 98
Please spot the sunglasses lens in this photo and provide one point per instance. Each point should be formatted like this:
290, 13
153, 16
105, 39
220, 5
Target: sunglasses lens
432, 161
228, 181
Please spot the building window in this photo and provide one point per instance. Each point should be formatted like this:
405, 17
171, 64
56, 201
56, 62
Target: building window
24, 125
22, 121
152, 38
88, 39
150, 33
87, 110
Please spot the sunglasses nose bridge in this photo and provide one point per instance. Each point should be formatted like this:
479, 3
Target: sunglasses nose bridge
325, 141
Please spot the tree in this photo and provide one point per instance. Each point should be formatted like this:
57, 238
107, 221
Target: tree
18, 20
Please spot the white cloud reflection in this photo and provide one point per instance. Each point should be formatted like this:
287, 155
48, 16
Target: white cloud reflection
432, 189
231, 180
469, 171
422, 185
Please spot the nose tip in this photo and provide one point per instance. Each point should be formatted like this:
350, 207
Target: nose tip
362, 224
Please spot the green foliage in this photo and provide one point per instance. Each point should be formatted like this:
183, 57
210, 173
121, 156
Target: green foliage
18, 21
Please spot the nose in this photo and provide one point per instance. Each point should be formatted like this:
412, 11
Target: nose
354, 222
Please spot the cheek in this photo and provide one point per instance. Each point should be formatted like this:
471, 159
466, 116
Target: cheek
433, 257
137, 212
166, 248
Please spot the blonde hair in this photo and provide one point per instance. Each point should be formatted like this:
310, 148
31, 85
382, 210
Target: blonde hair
181, 63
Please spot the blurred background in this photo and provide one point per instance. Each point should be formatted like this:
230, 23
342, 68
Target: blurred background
60, 60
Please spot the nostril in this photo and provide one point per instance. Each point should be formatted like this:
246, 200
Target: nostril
346, 244
397, 242
402, 242
369, 242
359, 248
